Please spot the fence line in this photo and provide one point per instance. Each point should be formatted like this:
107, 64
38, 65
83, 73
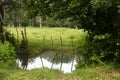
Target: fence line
62, 54
24, 47
41, 61
61, 42
24, 37
52, 45
73, 49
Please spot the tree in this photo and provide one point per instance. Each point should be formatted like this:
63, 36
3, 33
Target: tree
100, 18
102, 21
1, 23
10, 4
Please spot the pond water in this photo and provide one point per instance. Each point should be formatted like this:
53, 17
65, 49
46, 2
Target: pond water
50, 59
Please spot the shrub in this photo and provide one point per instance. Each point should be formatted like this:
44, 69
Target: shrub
98, 49
7, 53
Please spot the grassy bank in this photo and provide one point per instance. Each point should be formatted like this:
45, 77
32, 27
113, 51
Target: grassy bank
89, 73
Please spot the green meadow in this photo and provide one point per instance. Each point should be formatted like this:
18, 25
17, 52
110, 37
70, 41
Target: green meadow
50, 38
40, 38
85, 73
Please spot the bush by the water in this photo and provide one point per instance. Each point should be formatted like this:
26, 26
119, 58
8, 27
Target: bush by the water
7, 53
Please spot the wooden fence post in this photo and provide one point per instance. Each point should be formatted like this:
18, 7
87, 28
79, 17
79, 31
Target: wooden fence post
41, 61
24, 49
52, 44
17, 33
25, 34
73, 49
43, 40
62, 52
40, 54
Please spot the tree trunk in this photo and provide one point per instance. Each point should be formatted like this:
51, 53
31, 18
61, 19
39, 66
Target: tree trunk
40, 22
1, 24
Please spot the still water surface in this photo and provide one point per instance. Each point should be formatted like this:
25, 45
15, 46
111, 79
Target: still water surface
47, 58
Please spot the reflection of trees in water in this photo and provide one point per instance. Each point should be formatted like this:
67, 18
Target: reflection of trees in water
52, 55
23, 54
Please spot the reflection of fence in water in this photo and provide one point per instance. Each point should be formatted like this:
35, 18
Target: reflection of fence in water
22, 49
24, 36
62, 52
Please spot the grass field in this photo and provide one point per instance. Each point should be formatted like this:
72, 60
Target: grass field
35, 38
42, 38
88, 73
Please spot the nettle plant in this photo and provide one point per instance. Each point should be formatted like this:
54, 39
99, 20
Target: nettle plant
7, 53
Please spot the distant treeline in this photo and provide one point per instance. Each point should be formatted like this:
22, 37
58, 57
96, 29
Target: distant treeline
44, 22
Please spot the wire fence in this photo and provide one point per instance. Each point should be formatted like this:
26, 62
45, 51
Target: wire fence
24, 39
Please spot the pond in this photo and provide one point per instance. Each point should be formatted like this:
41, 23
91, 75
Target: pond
49, 59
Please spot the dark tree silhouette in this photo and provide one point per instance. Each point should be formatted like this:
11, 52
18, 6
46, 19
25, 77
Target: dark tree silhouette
8, 4
1, 23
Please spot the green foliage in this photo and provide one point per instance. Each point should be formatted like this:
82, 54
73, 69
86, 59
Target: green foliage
51, 22
99, 50
101, 19
7, 53
10, 38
